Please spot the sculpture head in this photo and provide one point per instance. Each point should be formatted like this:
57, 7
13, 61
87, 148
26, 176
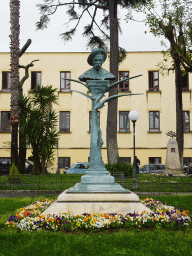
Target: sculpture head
96, 58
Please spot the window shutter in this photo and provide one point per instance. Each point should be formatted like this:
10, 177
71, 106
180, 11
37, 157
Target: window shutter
5, 121
65, 121
65, 84
38, 78
33, 80
4, 82
150, 80
63, 162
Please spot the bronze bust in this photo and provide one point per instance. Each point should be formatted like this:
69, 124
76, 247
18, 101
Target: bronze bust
96, 58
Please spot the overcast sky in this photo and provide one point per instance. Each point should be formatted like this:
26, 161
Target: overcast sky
133, 37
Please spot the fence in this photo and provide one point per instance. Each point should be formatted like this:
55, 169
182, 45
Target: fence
31, 185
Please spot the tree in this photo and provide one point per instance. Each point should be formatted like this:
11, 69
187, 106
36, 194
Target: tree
175, 24
23, 105
16, 53
40, 126
15, 30
108, 22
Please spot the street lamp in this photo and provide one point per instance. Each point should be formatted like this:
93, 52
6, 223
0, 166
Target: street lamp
133, 116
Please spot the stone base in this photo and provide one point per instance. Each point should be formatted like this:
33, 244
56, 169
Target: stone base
110, 187
79, 203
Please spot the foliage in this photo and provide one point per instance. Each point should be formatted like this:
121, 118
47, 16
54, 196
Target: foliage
95, 30
125, 168
40, 126
13, 174
98, 34
172, 20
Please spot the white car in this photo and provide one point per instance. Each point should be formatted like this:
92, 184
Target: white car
151, 168
78, 168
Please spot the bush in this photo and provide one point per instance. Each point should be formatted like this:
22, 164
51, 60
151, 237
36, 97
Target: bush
125, 168
14, 174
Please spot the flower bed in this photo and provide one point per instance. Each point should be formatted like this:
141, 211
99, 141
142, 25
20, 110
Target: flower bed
31, 218
170, 175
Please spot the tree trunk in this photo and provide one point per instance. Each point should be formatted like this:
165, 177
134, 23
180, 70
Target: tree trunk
37, 169
15, 29
112, 147
179, 109
22, 151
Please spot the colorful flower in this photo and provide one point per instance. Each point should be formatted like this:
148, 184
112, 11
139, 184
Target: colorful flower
31, 218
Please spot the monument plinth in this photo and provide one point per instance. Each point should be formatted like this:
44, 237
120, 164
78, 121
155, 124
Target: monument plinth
172, 163
97, 191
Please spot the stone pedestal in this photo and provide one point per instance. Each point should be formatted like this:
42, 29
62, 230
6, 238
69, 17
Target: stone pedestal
172, 164
79, 203
97, 181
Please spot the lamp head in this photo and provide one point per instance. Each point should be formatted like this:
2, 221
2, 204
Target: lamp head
133, 115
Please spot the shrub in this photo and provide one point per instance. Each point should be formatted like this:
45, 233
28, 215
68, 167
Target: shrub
14, 174
125, 168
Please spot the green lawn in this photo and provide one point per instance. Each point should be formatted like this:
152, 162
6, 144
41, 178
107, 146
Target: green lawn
121, 242
60, 182
41, 182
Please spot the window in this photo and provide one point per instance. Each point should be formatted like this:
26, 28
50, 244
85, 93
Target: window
5, 121
123, 86
154, 160
64, 125
153, 81
185, 81
124, 160
35, 79
187, 161
124, 123
154, 124
6, 81
98, 116
186, 121
64, 162
65, 84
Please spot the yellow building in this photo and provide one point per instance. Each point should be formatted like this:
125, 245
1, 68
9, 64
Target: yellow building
156, 107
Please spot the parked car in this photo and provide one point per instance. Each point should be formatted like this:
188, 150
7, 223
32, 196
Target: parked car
28, 166
187, 169
151, 168
78, 168
5, 164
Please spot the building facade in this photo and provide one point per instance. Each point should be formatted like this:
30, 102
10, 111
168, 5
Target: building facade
156, 106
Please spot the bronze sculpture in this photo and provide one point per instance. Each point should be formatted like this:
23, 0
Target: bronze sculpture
97, 178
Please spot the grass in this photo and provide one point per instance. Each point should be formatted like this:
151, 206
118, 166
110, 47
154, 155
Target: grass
41, 182
121, 242
60, 182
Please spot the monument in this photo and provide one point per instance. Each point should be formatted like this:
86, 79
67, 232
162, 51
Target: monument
97, 191
172, 163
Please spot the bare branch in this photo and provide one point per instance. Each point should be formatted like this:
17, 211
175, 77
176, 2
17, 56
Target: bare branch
24, 48
103, 7
26, 72
67, 35
98, 25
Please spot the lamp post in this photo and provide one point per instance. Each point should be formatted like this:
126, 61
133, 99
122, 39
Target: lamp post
133, 116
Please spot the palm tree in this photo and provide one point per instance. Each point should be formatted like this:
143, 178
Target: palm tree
39, 126
15, 30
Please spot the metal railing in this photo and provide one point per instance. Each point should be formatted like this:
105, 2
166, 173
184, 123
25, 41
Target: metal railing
32, 185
